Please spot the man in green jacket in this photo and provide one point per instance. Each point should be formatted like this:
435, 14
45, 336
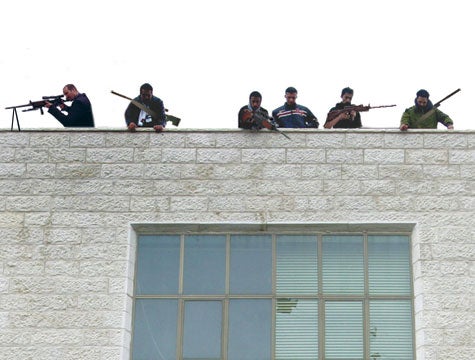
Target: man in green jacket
423, 115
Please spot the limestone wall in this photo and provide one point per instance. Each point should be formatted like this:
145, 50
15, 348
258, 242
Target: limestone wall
68, 199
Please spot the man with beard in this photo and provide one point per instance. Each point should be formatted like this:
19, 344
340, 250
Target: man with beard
292, 115
423, 115
253, 116
345, 120
136, 117
79, 114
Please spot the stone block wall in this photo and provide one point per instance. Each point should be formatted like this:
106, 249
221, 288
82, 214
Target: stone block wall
69, 199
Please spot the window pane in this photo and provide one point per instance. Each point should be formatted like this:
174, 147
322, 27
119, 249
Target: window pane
251, 264
158, 260
205, 264
389, 265
296, 270
155, 329
249, 329
344, 330
202, 333
296, 329
343, 265
390, 332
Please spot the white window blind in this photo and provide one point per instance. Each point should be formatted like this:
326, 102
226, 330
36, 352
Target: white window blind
344, 330
390, 329
296, 329
343, 264
389, 265
296, 270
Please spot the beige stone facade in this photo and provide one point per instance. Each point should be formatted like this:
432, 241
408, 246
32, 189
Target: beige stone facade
71, 203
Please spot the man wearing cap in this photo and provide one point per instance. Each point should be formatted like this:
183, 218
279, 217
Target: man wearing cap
423, 115
345, 120
292, 115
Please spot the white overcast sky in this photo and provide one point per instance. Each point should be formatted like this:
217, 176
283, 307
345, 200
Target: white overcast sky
203, 58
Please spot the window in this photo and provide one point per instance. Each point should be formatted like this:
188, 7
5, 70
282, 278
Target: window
273, 296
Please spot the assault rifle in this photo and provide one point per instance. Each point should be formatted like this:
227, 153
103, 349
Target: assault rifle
173, 119
437, 104
348, 109
263, 121
55, 100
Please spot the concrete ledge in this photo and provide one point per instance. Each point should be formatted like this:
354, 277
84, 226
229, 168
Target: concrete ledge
319, 228
218, 130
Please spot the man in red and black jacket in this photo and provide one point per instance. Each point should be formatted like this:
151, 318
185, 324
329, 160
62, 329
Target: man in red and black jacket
292, 115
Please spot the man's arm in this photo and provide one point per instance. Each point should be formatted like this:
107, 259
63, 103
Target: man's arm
331, 123
159, 109
275, 116
79, 115
357, 119
311, 120
131, 116
245, 120
406, 116
444, 119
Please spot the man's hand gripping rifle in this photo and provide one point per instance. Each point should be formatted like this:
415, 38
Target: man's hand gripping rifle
348, 109
263, 121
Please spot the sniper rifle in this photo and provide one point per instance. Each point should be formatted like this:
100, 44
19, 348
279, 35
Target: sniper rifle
38, 105
55, 100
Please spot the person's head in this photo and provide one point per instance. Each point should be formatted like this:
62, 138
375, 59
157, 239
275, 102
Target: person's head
146, 92
70, 92
422, 98
291, 95
346, 95
255, 99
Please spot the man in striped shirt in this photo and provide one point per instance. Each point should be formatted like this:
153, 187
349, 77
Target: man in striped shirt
292, 115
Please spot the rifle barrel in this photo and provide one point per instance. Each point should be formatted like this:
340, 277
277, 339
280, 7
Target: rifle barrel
382, 106
52, 97
17, 106
126, 97
116, 93
445, 98
283, 133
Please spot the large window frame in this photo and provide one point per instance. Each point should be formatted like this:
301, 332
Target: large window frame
322, 299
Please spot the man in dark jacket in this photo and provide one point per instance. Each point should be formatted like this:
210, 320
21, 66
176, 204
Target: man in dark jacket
79, 114
344, 120
291, 115
139, 114
253, 116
